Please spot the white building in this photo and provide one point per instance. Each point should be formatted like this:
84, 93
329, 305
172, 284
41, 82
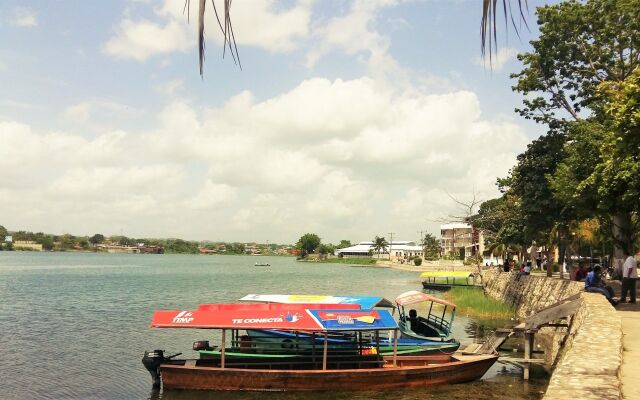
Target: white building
401, 249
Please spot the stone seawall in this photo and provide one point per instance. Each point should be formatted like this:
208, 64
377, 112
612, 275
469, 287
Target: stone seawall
589, 360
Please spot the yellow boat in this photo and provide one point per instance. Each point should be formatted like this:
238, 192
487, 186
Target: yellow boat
445, 280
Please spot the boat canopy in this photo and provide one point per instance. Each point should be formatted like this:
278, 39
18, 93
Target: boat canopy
277, 306
446, 274
363, 301
295, 318
413, 296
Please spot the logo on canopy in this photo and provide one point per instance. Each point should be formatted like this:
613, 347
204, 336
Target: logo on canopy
183, 317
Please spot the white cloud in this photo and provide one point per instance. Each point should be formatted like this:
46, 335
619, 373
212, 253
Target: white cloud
260, 24
140, 40
78, 112
344, 158
22, 17
498, 60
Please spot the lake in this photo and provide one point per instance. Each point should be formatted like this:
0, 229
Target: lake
75, 325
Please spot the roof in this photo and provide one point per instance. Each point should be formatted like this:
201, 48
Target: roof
413, 297
365, 247
362, 301
446, 274
285, 318
455, 225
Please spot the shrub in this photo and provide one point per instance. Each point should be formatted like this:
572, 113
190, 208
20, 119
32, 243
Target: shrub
417, 261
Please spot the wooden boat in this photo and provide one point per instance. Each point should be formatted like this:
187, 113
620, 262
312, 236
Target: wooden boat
417, 371
445, 280
323, 369
433, 325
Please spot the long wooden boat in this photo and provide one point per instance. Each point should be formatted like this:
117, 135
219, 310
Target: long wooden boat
360, 368
416, 371
445, 280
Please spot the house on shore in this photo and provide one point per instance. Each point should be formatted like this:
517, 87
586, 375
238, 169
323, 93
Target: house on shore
397, 250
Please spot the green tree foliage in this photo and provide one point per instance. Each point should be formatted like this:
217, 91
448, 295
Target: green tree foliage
96, 239
380, 245
431, 247
580, 81
3, 232
343, 244
308, 243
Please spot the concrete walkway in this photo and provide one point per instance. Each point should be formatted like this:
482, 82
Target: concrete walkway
630, 371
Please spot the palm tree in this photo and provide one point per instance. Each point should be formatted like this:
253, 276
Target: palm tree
380, 245
488, 25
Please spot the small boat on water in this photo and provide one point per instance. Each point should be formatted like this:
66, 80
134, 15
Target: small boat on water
258, 264
434, 325
360, 368
445, 280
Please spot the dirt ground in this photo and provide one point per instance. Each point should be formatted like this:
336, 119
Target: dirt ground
630, 314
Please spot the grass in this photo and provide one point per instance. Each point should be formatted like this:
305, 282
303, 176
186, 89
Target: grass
473, 302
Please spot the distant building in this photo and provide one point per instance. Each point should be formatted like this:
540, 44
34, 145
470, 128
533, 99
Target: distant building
401, 249
461, 239
8, 239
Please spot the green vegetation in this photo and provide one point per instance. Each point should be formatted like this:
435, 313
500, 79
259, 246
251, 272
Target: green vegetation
576, 188
307, 244
431, 247
417, 261
380, 245
473, 302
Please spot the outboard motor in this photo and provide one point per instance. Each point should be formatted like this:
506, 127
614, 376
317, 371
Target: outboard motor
152, 361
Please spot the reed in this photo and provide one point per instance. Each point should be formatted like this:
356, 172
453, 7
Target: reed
474, 303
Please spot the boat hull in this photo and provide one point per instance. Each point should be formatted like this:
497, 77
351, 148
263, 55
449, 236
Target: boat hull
414, 371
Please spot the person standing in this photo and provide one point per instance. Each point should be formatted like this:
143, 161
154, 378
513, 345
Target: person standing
629, 277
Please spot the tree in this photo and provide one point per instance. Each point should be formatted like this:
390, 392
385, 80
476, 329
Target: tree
324, 250
380, 245
431, 247
343, 244
307, 244
96, 239
3, 232
488, 25
585, 49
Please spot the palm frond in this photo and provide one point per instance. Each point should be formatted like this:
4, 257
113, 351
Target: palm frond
229, 39
489, 23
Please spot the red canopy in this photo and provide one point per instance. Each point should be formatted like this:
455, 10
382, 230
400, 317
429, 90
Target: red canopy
241, 318
413, 296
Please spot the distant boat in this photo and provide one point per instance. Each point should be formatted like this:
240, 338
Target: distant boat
262, 264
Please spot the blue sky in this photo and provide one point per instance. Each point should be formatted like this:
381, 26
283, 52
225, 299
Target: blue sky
349, 118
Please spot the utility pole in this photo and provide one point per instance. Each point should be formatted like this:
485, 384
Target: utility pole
421, 237
390, 243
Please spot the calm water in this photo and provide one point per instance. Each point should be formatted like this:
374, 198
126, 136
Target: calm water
74, 326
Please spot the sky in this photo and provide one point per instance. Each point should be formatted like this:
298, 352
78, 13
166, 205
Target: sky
348, 119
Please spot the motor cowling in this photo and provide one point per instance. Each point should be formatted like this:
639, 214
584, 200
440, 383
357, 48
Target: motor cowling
152, 361
201, 345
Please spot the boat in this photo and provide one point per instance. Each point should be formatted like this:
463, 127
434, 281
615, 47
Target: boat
322, 369
287, 340
445, 280
434, 325
258, 264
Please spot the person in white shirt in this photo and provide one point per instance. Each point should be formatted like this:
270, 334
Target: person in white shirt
629, 277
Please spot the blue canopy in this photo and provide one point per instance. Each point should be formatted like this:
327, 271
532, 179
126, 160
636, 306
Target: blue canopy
365, 302
350, 320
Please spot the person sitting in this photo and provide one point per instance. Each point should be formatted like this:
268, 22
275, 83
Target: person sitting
593, 284
413, 320
581, 272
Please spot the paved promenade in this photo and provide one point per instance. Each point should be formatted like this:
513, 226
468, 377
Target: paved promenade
630, 372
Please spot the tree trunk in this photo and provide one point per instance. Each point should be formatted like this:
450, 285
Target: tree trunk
551, 259
621, 230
